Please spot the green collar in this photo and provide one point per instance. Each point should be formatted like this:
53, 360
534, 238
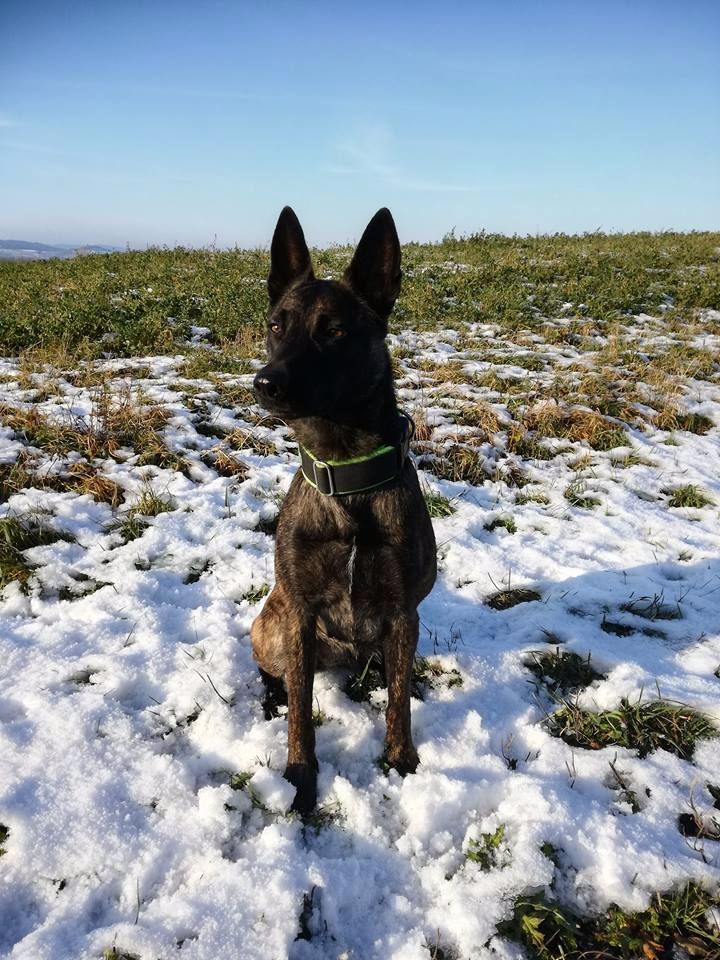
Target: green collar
337, 478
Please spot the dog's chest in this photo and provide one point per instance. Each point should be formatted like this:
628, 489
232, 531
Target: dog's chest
353, 604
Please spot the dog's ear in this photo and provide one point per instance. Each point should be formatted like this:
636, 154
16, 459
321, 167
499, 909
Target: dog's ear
374, 272
289, 256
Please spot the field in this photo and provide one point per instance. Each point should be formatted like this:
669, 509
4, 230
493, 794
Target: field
566, 393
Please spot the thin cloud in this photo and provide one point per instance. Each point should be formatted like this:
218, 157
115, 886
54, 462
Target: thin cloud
369, 151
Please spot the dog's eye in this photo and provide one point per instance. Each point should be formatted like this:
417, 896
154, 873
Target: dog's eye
336, 333
275, 327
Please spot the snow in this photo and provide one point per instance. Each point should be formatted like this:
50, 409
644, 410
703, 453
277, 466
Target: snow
125, 710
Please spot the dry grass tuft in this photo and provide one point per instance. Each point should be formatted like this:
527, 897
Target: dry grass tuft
225, 464
459, 464
80, 477
672, 418
247, 440
575, 425
423, 430
479, 414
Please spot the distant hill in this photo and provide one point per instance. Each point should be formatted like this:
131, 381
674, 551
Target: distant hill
29, 250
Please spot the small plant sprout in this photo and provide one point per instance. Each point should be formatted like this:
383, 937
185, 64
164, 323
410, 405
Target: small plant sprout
486, 850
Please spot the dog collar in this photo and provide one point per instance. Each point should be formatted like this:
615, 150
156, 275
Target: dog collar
337, 478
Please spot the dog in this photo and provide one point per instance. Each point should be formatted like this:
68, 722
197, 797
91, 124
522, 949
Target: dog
355, 551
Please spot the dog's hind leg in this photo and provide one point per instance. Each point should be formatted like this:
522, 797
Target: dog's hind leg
399, 646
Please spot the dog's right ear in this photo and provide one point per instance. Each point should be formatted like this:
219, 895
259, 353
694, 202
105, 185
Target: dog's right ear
289, 256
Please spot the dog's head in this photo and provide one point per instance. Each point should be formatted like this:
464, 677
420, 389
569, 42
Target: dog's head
325, 338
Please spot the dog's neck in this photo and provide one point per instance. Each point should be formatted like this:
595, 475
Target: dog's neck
375, 426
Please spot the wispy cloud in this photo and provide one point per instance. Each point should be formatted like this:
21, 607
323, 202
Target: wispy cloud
369, 150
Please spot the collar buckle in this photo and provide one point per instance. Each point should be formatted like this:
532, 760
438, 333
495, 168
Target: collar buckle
330, 492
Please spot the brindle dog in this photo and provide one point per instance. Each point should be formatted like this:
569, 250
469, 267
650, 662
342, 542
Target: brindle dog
350, 569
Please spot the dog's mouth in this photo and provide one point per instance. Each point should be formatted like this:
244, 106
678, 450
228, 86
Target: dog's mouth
277, 408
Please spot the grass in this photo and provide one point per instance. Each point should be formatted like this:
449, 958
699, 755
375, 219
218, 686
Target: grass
653, 608
256, 594
459, 465
151, 504
241, 781
118, 419
226, 464
642, 726
480, 415
501, 523
431, 673
688, 496
129, 296
438, 505
79, 477
529, 496
576, 425
674, 921
561, 671
134, 524
671, 418
510, 597
576, 496
360, 684
528, 446
18, 534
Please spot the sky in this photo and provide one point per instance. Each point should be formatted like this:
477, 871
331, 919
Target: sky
194, 123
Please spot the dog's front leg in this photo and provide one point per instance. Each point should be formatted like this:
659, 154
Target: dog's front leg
301, 768
400, 643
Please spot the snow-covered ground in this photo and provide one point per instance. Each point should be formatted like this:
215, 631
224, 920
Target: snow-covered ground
129, 702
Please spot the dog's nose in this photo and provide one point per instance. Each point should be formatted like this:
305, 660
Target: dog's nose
271, 384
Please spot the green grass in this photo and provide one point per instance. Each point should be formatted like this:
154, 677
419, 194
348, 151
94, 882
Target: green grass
688, 496
577, 497
361, 683
131, 295
431, 673
18, 534
241, 782
561, 671
255, 594
504, 523
151, 504
130, 528
642, 726
527, 496
438, 506
674, 921
134, 524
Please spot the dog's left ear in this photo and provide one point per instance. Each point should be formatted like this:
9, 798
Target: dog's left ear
374, 272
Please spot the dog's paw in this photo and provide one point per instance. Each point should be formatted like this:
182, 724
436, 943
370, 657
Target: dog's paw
403, 759
303, 776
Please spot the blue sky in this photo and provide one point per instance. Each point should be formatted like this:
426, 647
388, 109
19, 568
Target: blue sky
192, 123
